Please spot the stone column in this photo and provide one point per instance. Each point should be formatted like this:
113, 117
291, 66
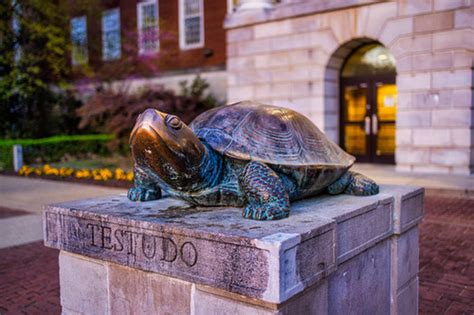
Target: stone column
254, 4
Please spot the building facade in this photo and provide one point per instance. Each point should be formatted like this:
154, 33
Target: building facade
151, 41
390, 81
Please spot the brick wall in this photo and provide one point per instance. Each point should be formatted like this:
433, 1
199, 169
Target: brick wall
294, 61
170, 57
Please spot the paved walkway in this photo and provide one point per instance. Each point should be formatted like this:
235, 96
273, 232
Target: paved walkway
29, 194
458, 185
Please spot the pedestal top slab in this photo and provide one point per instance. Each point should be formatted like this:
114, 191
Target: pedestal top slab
267, 260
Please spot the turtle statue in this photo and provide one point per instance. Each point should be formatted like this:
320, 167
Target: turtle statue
247, 154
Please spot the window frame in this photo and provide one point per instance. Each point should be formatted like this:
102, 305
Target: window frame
119, 32
141, 48
85, 61
182, 33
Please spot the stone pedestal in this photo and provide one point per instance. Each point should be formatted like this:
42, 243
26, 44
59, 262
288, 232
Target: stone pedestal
334, 255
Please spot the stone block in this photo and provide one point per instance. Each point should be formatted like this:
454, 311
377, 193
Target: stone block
362, 285
271, 29
431, 137
409, 7
415, 81
394, 29
431, 99
434, 22
205, 303
461, 137
134, 291
451, 156
413, 118
240, 34
408, 206
452, 79
372, 19
83, 284
312, 301
407, 299
463, 18
351, 239
440, 5
412, 155
411, 44
406, 258
241, 63
272, 60
454, 39
403, 137
254, 47
463, 98
240, 93
463, 59
424, 62
304, 24
452, 118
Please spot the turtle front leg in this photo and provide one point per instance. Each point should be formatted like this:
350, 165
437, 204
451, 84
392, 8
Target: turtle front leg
353, 183
145, 189
267, 198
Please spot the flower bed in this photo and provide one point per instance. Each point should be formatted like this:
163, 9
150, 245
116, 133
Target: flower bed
95, 175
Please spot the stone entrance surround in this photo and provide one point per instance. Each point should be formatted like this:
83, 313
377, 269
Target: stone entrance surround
333, 255
291, 55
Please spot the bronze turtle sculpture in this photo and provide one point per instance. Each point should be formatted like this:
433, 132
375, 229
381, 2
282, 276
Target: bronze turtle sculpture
247, 154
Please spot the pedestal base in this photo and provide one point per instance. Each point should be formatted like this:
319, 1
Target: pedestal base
335, 254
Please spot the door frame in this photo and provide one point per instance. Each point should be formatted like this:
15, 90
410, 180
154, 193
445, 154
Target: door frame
371, 97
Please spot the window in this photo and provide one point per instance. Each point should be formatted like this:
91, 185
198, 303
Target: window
111, 47
79, 40
148, 39
191, 24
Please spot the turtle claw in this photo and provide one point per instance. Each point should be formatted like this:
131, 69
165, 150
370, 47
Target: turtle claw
143, 194
264, 212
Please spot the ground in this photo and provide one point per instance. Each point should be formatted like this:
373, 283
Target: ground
29, 273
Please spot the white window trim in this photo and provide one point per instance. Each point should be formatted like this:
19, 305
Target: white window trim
75, 62
230, 7
141, 50
182, 42
120, 35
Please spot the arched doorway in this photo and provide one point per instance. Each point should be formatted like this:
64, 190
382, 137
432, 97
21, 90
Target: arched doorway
368, 104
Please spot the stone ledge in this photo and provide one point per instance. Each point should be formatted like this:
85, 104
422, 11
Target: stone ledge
268, 261
287, 10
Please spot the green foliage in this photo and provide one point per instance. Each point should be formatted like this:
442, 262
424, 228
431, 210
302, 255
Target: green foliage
46, 150
33, 50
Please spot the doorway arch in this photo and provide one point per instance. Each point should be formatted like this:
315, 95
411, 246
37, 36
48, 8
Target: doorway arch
368, 102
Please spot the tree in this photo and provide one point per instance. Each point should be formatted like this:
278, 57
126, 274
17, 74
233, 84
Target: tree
34, 45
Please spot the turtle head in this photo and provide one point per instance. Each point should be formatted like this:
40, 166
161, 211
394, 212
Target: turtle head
165, 145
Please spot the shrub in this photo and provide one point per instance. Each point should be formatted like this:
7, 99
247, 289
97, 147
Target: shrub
115, 112
52, 149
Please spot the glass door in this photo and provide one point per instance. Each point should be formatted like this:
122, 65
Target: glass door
368, 118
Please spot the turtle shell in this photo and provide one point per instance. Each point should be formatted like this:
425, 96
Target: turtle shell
269, 134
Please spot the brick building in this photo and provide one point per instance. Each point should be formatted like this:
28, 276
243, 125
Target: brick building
390, 81
179, 38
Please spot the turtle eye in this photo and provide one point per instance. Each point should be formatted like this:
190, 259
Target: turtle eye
174, 122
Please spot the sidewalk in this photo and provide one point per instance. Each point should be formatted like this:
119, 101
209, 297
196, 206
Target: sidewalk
31, 195
445, 184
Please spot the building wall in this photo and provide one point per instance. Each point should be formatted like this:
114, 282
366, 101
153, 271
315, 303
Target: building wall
170, 57
292, 55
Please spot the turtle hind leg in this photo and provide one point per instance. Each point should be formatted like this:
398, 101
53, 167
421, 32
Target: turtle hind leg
353, 183
267, 198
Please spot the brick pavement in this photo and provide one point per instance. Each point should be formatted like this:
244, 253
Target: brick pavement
447, 256
29, 281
